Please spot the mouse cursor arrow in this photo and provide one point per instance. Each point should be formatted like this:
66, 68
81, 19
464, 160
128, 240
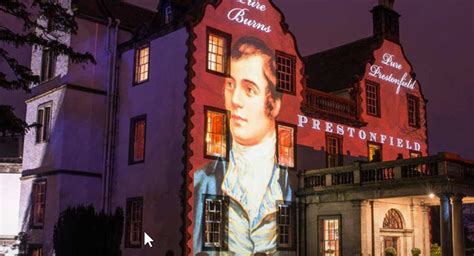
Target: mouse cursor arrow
148, 240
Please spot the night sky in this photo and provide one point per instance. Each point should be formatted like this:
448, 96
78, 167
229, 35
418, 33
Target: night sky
438, 39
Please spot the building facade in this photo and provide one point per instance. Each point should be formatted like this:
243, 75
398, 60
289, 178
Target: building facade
206, 125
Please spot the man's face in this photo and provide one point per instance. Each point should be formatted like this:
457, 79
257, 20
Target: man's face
245, 97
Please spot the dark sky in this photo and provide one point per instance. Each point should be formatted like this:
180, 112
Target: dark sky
438, 39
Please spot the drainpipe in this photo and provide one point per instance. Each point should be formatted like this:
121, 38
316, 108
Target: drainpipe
111, 119
373, 228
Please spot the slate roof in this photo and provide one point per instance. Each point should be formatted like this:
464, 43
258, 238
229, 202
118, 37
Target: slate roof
131, 16
339, 68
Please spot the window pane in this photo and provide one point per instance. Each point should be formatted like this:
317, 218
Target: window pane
134, 221
139, 141
372, 98
285, 146
141, 64
39, 127
216, 53
213, 229
285, 72
375, 152
216, 140
39, 202
330, 238
47, 121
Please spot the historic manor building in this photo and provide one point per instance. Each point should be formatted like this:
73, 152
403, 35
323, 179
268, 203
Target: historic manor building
161, 112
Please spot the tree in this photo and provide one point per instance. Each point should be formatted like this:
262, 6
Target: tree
81, 231
41, 22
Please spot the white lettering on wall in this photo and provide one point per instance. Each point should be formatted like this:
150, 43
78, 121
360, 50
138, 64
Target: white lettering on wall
361, 134
389, 61
240, 15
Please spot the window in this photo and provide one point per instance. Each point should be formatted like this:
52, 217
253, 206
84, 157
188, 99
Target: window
168, 14
333, 151
215, 216
35, 250
415, 154
216, 133
133, 233
413, 111
43, 122
39, 203
285, 224
218, 51
48, 64
137, 139
375, 152
142, 62
329, 235
393, 220
372, 98
285, 72
286, 145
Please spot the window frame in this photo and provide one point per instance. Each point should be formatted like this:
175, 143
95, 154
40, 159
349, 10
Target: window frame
227, 132
293, 75
136, 65
34, 223
223, 224
375, 144
295, 131
340, 149
414, 152
131, 146
291, 246
320, 233
50, 66
226, 56
41, 128
32, 247
416, 110
377, 92
128, 223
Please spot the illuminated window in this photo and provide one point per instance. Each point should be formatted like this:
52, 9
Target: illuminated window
329, 236
285, 225
375, 152
43, 122
415, 154
285, 72
39, 203
134, 222
215, 215
286, 146
142, 62
372, 98
218, 51
48, 64
35, 250
333, 151
216, 133
137, 139
413, 111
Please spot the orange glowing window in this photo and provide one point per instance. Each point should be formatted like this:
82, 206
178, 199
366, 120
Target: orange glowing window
216, 133
137, 139
329, 233
286, 146
38, 251
218, 51
142, 61
375, 152
39, 203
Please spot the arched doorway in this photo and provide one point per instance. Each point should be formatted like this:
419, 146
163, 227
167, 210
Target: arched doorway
392, 231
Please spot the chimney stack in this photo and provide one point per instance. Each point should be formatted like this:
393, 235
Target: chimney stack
385, 21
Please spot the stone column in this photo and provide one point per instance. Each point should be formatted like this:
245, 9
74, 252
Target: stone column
445, 225
458, 227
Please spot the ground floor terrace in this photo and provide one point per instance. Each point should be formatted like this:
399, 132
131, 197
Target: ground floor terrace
365, 208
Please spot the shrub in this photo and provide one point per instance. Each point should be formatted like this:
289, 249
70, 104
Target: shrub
435, 250
415, 252
390, 251
81, 231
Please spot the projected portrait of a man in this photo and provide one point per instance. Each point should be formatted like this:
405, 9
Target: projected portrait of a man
250, 181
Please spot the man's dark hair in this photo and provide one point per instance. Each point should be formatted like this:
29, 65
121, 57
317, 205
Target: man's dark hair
248, 46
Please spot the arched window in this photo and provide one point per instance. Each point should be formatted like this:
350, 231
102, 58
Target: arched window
393, 220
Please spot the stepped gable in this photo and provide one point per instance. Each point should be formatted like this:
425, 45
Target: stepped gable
339, 68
